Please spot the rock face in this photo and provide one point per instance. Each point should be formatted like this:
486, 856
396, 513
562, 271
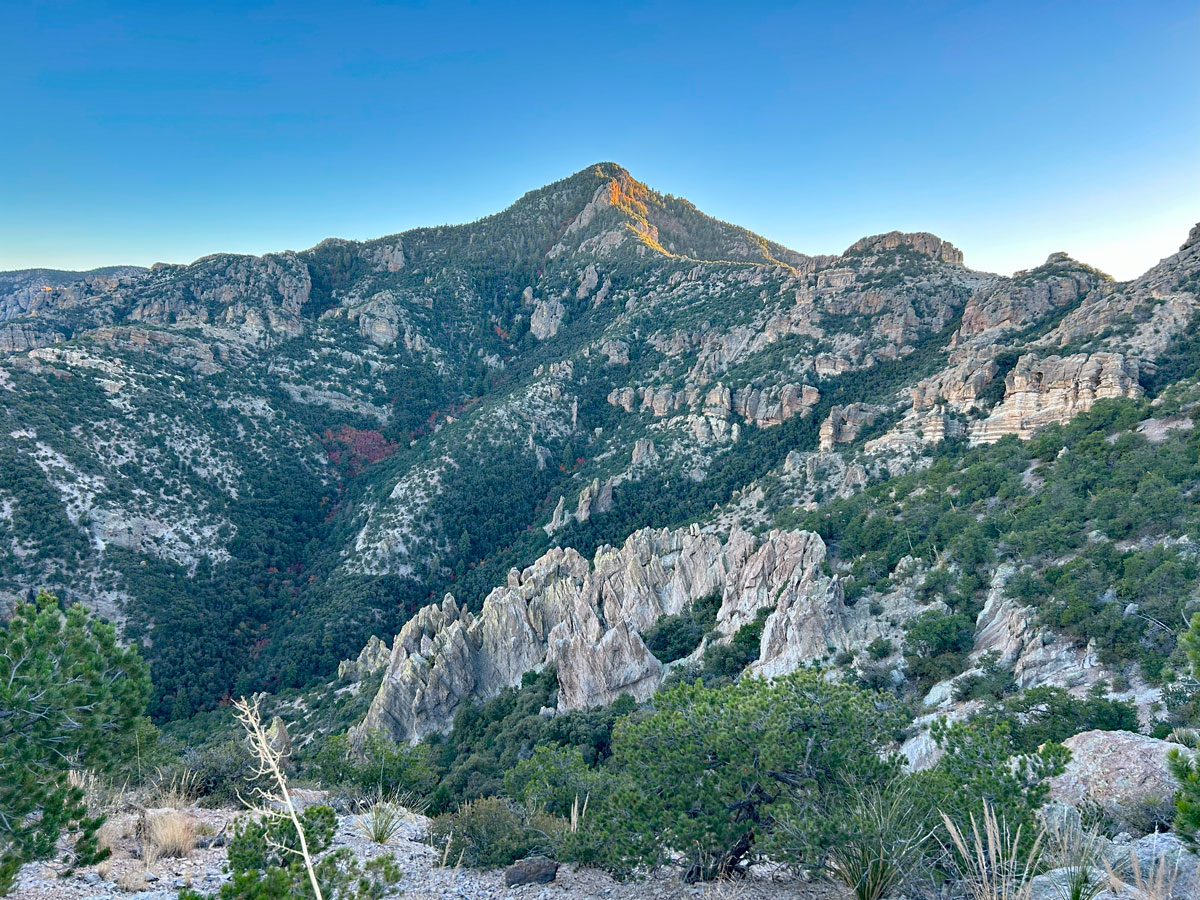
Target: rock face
1039, 392
1017, 301
374, 657
15, 338
547, 318
585, 620
845, 423
1126, 775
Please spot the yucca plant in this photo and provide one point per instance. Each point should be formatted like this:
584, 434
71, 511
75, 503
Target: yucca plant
1077, 853
865, 869
382, 821
885, 841
990, 859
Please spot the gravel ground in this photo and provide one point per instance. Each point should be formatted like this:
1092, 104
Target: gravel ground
125, 875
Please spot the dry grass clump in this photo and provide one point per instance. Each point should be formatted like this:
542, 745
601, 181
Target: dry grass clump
991, 860
177, 791
133, 880
168, 834
112, 832
98, 794
1156, 884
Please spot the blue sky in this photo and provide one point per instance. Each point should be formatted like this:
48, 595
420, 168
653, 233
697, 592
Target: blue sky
164, 131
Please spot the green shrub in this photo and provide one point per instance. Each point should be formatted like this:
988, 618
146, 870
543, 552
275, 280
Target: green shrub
880, 648
224, 771
382, 768
493, 831
265, 862
674, 637
982, 761
936, 645
1048, 714
554, 779
1185, 764
711, 771
727, 660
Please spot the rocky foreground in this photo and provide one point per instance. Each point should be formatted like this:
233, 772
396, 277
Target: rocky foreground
1155, 866
132, 874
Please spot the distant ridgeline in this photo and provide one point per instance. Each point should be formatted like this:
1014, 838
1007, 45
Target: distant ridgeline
255, 464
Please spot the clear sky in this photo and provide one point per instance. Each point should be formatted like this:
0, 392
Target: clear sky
139, 132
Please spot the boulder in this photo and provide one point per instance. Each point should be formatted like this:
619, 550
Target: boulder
535, 870
1124, 775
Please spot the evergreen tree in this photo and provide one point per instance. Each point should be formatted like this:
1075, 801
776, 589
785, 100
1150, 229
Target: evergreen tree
70, 697
1186, 766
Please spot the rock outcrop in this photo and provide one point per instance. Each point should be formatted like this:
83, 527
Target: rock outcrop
547, 317
1126, 775
1027, 296
1040, 392
844, 424
586, 621
922, 242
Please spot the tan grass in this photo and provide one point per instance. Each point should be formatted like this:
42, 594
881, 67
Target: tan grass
989, 858
168, 834
1156, 884
111, 833
134, 880
178, 791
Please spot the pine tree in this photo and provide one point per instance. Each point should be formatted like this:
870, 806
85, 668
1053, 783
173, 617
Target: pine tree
1185, 766
70, 697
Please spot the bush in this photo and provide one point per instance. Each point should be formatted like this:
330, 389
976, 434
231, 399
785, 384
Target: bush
492, 832
674, 637
383, 768
265, 862
554, 779
1185, 765
1048, 714
983, 762
937, 644
223, 772
712, 772
726, 661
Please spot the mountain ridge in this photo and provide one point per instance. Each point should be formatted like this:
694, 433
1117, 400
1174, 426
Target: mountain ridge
256, 463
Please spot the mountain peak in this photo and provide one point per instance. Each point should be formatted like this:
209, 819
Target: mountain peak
663, 222
921, 241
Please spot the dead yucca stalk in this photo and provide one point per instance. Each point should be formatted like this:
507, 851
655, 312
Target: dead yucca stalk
989, 858
577, 813
270, 766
